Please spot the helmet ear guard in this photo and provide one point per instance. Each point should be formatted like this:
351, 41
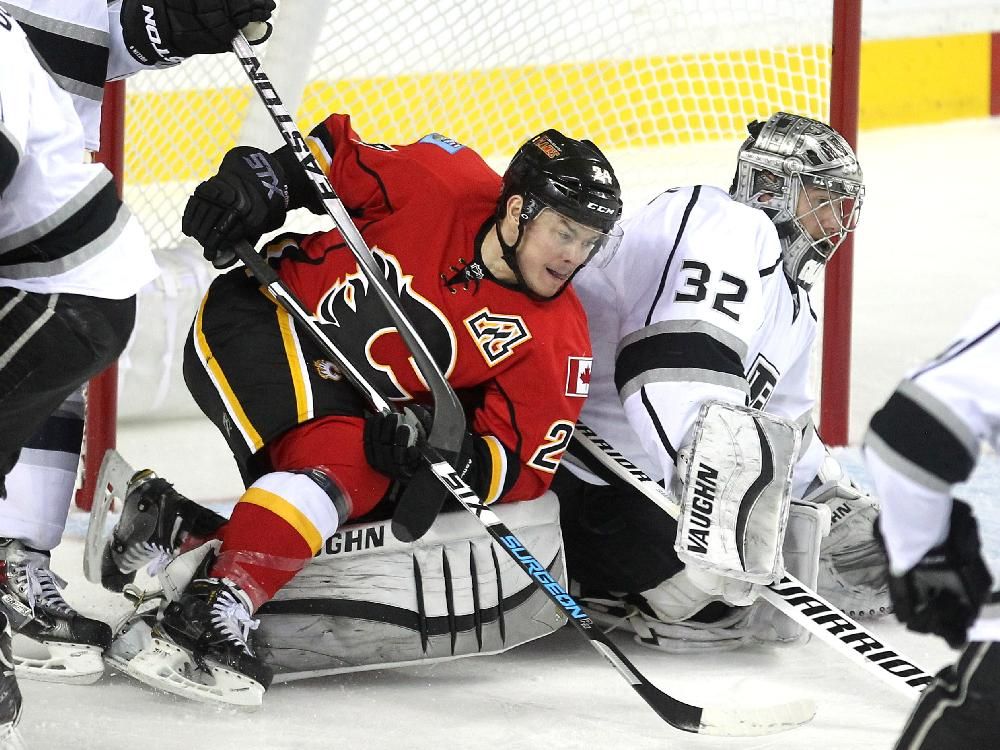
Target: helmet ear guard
788, 157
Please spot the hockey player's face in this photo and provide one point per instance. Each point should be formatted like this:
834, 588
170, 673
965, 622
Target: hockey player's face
552, 249
824, 214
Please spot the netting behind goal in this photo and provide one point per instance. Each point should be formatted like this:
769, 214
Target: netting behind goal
665, 88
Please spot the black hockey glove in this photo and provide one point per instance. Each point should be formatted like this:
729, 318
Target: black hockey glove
158, 31
393, 441
248, 196
942, 594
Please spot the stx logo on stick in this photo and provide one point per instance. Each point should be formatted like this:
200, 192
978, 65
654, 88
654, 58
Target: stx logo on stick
296, 140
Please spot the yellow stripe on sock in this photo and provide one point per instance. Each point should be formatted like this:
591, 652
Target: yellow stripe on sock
286, 511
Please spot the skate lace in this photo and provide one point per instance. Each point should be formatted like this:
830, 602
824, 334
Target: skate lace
140, 553
40, 586
232, 620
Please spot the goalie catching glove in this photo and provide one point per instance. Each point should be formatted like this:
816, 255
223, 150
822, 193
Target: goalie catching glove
247, 197
167, 31
944, 591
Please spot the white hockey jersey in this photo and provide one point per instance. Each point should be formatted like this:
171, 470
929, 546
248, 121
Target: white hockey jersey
927, 438
80, 45
694, 306
951, 404
62, 227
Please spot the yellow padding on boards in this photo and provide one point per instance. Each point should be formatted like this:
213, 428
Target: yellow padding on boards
929, 79
643, 101
285, 510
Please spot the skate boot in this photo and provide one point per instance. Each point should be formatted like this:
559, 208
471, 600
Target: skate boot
58, 644
10, 694
155, 523
199, 649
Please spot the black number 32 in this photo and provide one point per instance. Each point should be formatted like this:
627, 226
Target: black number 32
698, 281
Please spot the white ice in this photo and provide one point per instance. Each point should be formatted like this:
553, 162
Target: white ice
926, 251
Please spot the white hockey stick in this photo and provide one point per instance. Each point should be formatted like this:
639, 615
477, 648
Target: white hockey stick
789, 595
422, 500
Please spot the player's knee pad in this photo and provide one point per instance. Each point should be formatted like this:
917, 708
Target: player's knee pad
369, 601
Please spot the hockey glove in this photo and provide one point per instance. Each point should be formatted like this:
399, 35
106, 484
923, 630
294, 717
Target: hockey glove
248, 196
393, 441
167, 31
942, 594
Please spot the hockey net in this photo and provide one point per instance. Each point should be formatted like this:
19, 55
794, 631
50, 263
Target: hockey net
665, 89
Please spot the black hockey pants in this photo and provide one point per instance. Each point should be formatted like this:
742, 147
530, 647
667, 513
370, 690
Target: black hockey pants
615, 539
50, 345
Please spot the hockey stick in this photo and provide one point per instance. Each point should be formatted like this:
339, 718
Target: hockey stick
719, 721
789, 595
422, 500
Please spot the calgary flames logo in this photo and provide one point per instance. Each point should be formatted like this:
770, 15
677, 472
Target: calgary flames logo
364, 332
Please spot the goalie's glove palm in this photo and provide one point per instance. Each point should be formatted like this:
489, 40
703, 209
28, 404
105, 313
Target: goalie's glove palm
248, 196
944, 591
393, 441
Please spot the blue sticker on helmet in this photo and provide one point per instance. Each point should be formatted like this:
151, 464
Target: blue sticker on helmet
442, 141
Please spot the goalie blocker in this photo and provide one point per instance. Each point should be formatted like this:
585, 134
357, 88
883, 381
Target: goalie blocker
736, 478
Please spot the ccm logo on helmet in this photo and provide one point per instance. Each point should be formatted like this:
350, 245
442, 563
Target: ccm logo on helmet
600, 209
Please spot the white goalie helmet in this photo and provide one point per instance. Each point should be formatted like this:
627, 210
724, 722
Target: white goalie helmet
806, 177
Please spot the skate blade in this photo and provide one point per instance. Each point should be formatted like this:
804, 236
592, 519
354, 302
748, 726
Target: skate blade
68, 663
129, 642
111, 483
10, 738
165, 666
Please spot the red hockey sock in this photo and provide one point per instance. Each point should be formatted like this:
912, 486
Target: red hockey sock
261, 552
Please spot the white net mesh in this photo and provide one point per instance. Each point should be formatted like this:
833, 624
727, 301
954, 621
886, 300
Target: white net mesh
664, 88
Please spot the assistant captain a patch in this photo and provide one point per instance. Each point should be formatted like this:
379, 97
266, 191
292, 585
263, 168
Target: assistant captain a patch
578, 376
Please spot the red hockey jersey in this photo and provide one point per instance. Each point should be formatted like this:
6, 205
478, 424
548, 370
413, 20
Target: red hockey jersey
423, 209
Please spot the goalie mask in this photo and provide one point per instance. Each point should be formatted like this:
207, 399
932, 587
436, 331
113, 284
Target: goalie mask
805, 176
570, 177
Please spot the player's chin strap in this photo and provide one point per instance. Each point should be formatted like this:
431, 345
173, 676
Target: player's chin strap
789, 595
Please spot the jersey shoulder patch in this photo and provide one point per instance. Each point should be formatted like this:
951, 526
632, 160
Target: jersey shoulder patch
443, 142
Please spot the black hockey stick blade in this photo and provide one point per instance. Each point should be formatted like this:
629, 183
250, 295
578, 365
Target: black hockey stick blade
418, 505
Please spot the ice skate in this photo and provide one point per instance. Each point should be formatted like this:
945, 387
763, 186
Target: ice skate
10, 694
155, 522
199, 648
53, 642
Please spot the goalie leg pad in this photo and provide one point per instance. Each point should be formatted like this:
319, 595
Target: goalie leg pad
735, 493
369, 601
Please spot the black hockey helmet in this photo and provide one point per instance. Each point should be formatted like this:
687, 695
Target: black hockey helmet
570, 176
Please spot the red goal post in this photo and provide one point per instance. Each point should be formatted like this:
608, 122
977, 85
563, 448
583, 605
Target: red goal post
666, 93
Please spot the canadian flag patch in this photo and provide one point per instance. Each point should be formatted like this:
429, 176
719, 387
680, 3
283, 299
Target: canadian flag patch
578, 376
